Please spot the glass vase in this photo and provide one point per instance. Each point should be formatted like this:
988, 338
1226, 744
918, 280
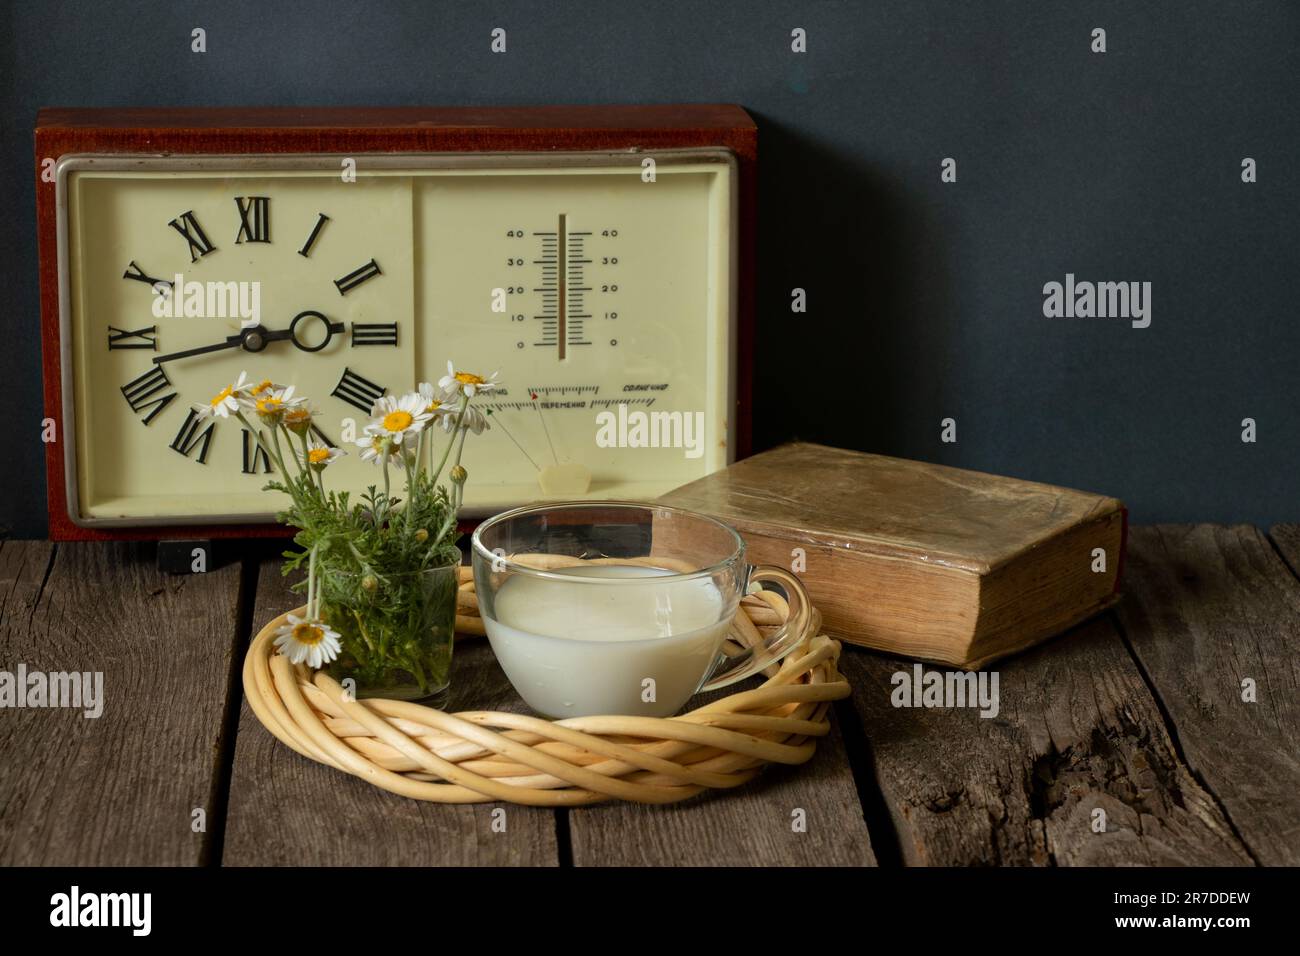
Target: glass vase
396, 632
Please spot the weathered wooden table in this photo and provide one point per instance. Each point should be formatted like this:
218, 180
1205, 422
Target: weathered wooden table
1139, 713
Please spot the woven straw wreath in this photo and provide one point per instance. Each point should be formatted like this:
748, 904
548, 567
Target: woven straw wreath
489, 756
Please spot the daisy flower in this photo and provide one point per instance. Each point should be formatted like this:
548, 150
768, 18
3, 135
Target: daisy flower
372, 448
264, 387
298, 418
467, 383
440, 403
397, 418
272, 404
472, 420
226, 401
320, 454
307, 640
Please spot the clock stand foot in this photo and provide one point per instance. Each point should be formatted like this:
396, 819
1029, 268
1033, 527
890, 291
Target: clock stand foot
186, 556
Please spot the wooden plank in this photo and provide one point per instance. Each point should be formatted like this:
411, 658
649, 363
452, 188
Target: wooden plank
1287, 539
752, 825
285, 809
1210, 607
118, 789
1076, 731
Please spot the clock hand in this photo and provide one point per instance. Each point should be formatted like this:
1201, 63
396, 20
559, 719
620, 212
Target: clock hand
331, 329
231, 342
257, 337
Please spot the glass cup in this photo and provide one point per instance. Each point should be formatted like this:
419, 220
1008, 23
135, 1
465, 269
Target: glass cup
397, 636
609, 607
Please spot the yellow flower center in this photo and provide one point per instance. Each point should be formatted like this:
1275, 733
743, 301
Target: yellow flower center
397, 421
262, 387
269, 404
295, 415
222, 395
318, 455
433, 406
469, 378
308, 634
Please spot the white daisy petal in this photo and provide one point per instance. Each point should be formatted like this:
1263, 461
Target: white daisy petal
372, 447
472, 420
320, 455
398, 418
312, 641
468, 383
271, 402
225, 401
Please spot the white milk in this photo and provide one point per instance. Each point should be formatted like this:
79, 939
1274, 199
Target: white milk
582, 648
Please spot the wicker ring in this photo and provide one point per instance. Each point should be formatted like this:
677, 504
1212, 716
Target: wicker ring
486, 756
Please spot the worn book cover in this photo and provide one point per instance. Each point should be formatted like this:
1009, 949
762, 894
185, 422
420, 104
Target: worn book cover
922, 560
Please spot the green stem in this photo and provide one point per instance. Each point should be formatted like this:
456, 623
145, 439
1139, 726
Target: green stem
270, 452
363, 564
459, 486
311, 585
464, 403
453, 508
279, 455
384, 446
410, 489
317, 475
277, 460
461, 447
361, 629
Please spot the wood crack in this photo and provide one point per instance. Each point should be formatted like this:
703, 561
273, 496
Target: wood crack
1172, 730
1078, 733
45, 580
1212, 625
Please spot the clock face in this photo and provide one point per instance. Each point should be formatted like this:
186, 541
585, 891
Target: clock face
601, 290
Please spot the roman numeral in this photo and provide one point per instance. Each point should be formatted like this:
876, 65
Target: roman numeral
133, 271
374, 333
140, 393
133, 338
357, 391
254, 219
354, 279
315, 231
189, 227
255, 457
190, 437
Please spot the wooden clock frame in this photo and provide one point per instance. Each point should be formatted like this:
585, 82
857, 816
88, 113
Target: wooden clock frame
345, 131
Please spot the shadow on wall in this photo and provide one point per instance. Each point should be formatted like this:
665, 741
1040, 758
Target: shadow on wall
864, 366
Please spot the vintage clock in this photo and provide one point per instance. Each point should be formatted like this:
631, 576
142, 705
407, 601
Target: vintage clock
599, 257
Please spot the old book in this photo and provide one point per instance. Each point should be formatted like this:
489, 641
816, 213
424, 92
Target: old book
922, 560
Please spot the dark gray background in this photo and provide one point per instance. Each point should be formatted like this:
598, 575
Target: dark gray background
925, 299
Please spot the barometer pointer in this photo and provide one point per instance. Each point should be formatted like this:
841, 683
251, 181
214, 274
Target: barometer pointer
542, 419
507, 433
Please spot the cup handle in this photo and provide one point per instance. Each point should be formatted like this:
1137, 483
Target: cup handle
782, 641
